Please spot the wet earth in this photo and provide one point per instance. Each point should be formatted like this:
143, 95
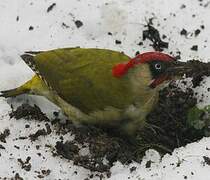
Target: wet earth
167, 130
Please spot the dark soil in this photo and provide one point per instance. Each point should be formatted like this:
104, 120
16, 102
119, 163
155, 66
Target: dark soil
167, 129
17, 177
197, 32
206, 160
183, 32
40, 132
100, 144
118, 42
78, 23
31, 28
194, 48
197, 70
153, 35
2, 147
167, 124
4, 135
64, 25
26, 165
29, 113
50, 8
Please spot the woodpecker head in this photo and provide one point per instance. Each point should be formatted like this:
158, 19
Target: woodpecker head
153, 68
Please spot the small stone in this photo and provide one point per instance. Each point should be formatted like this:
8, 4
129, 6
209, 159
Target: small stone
64, 25
202, 27
50, 8
78, 23
197, 32
137, 53
118, 42
148, 164
164, 36
27, 126
194, 48
183, 32
31, 28
133, 169
56, 114
140, 43
2, 147
183, 6
206, 160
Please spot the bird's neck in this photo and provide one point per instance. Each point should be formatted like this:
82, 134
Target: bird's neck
140, 78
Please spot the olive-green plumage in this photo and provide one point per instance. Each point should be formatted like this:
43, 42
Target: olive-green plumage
83, 77
80, 81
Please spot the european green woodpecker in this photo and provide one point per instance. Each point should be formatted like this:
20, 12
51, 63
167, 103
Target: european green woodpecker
98, 86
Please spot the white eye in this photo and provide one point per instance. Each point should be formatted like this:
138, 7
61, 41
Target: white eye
158, 66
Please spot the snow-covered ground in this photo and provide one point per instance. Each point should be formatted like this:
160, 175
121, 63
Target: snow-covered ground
26, 25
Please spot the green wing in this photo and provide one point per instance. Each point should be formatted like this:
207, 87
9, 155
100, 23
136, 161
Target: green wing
83, 77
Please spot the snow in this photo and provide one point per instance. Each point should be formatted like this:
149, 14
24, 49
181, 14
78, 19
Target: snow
125, 19
186, 161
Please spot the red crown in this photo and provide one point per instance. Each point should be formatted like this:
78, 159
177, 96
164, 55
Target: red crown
121, 69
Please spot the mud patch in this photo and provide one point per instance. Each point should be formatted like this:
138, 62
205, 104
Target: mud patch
4, 135
197, 71
167, 126
26, 165
78, 23
51, 7
166, 129
29, 112
153, 35
104, 148
40, 132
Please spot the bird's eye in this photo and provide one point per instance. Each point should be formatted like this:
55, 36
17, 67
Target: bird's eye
157, 66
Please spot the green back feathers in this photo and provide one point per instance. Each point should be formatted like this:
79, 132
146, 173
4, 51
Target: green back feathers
83, 77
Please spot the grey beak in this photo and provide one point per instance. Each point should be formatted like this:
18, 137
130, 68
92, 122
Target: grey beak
178, 68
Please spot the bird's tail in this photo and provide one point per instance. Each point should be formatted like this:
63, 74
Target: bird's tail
13, 92
33, 86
